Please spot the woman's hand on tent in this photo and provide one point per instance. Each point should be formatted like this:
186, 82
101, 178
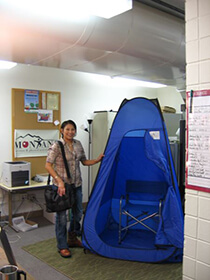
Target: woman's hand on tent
99, 158
89, 162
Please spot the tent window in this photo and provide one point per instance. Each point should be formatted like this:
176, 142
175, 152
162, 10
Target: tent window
135, 133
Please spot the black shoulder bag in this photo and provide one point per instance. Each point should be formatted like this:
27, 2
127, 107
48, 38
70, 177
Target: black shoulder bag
55, 202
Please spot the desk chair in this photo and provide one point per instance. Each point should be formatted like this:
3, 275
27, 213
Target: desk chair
141, 205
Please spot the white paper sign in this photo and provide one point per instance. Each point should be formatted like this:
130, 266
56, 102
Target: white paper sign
199, 143
155, 135
34, 143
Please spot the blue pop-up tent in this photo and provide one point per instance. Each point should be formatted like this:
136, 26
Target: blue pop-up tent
137, 150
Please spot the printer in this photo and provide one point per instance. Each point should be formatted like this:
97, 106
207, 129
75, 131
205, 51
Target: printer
16, 173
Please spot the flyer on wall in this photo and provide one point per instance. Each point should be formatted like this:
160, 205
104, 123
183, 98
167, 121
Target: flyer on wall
31, 101
198, 140
34, 143
45, 116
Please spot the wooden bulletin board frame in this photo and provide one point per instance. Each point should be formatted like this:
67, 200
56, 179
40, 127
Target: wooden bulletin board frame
28, 121
198, 140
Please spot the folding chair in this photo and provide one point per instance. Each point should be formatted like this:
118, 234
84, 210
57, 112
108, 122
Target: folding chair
141, 204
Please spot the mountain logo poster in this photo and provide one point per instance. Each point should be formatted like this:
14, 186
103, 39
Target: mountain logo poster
34, 143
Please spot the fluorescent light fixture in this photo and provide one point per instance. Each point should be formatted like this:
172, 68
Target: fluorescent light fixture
132, 82
7, 64
66, 9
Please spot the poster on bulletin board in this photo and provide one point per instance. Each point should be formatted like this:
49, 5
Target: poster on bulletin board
198, 140
31, 101
34, 143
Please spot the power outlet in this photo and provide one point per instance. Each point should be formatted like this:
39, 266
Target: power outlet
31, 196
24, 196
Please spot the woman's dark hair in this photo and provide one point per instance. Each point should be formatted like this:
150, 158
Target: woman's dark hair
65, 123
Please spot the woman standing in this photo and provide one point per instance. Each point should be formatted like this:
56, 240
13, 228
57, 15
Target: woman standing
55, 166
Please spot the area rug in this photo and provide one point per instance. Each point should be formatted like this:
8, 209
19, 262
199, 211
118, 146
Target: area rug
88, 266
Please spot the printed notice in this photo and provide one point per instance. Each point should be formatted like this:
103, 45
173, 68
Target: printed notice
198, 163
31, 101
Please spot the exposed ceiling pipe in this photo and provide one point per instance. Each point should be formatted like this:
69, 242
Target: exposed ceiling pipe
167, 7
143, 43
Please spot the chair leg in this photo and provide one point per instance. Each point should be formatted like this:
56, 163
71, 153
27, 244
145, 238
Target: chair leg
141, 221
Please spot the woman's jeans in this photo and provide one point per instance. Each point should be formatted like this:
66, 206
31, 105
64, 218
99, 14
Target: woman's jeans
61, 221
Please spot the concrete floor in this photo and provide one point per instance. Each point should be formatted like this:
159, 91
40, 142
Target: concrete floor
36, 268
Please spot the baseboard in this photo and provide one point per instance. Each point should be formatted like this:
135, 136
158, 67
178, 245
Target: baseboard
37, 213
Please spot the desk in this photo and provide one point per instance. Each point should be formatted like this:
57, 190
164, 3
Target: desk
12, 190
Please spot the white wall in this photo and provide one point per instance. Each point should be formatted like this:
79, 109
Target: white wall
81, 94
169, 96
196, 262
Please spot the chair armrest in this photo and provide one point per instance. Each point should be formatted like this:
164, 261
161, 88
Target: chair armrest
121, 198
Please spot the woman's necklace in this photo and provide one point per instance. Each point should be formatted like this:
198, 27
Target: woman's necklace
70, 144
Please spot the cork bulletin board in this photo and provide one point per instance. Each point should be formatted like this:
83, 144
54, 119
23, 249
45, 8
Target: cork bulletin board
35, 114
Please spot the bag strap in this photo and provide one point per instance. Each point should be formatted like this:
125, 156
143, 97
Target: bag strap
64, 159
65, 162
